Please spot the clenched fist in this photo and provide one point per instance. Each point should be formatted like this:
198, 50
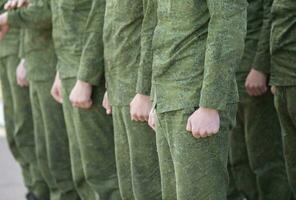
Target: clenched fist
56, 90
21, 75
204, 122
80, 96
256, 83
140, 108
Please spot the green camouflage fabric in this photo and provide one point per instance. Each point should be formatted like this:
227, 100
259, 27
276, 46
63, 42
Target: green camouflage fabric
196, 48
91, 142
19, 125
283, 48
233, 192
128, 33
38, 44
283, 73
11, 43
262, 57
52, 142
244, 179
254, 27
285, 106
136, 157
52, 153
256, 141
192, 168
91, 68
256, 162
77, 33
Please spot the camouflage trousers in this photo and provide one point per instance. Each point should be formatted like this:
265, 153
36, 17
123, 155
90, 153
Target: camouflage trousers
19, 127
256, 154
286, 108
136, 157
233, 192
193, 168
52, 142
91, 141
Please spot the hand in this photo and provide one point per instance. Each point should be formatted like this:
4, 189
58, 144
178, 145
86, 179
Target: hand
140, 108
204, 122
21, 75
273, 89
106, 104
13, 4
56, 90
151, 120
81, 95
256, 83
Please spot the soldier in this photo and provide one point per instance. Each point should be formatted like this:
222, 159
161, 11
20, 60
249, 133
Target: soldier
50, 132
127, 26
77, 33
18, 116
283, 77
256, 141
89, 129
197, 47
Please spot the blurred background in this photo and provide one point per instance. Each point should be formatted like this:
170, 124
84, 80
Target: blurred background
11, 186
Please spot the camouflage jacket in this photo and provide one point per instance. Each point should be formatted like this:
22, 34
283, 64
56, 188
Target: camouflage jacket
77, 33
10, 44
77, 28
283, 43
38, 48
254, 27
127, 44
197, 46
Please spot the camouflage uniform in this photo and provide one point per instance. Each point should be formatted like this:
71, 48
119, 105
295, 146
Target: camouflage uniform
196, 48
18, 116
233, 192
77, 33
256, 150
50, 132
283, 76
135, 146
18, 121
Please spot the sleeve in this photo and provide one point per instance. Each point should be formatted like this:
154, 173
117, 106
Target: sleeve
148, 25
36, 15
22, 45
224, 48
91, 67
262, 58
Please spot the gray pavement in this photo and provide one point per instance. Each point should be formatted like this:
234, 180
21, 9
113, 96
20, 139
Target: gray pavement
11, 185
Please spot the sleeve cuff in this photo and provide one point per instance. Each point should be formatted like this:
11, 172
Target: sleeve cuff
212, 102
144, 89
262, 66
90, 77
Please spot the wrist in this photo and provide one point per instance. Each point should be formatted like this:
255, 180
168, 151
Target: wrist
209, 110
83, 83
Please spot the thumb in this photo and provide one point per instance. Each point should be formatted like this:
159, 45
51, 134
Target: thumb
188, 126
